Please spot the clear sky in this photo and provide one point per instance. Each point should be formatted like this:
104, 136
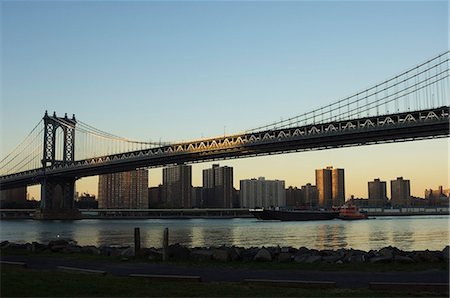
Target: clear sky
182, 70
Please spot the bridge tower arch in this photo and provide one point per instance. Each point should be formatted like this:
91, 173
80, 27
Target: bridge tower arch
51, 124
57, 193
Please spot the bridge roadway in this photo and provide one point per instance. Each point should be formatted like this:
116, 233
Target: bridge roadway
408, 126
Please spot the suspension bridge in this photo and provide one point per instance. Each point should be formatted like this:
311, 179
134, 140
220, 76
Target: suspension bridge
413, 105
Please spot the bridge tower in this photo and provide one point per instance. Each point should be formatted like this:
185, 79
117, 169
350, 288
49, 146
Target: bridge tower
57, 193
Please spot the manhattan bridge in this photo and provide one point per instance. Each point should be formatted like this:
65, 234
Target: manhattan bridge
413, 105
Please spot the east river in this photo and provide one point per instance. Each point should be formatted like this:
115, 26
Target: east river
406, 233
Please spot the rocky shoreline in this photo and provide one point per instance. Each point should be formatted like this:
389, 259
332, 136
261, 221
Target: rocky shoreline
239, 254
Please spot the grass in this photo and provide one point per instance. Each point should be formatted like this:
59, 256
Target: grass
363, 267
19, 282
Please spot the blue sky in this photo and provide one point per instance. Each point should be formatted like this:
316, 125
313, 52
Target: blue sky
182, 70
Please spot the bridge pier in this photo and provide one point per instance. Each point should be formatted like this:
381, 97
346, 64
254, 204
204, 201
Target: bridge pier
57, 199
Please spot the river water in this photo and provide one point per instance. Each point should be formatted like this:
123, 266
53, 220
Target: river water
406, 233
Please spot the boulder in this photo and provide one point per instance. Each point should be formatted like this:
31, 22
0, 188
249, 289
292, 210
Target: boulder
178, 251
426, 256
37, 247
300, 258
445, 253
201, 255
387, 252
288, 249
221, 255
235, 254
381, 259
72, 249
249, 253
313, 259
332, 258
58, 244
127, 253
263, 255
403, 259
285, 257
307, 258
90, 249
5, 244
303, 251
152, 254
357, 258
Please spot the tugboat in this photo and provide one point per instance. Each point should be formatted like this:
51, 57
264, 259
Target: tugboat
350, 212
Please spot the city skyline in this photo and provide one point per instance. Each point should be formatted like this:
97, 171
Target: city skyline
197, 177
147, 63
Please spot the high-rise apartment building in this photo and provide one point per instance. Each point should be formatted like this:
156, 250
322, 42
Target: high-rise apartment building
177, 186
262, 193
338, 187
310, 196
331, 186
123, 190
218, 187
294, 197
400, 192
377, 193
197, 197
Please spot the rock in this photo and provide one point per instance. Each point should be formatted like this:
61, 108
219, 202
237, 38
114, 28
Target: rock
16, 246
152, 254
332, 258
386, 252
201, 255
307, 258
289, 249
113, 250
445, 253
37, 247
5, 244
427, 256
357, 258
58, 245
339, 262
249, 253
90, 249
263, 255
313, 259
404, 260
72, 249
285, 257
235, 254
381, 259
303, 251
300, 258
221, 255
128, 252
178, 251
274, 250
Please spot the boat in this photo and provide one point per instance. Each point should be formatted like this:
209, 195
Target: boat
350, 212
293, 214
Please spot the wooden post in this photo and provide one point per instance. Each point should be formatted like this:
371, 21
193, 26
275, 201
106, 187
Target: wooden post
166, 244
137, 241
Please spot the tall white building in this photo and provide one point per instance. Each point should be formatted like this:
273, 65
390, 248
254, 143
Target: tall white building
262, 193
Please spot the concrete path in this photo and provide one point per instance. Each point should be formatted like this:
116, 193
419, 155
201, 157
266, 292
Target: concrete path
343, 279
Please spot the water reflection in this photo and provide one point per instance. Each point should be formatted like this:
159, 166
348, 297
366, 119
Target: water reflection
412, 233
330, 236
